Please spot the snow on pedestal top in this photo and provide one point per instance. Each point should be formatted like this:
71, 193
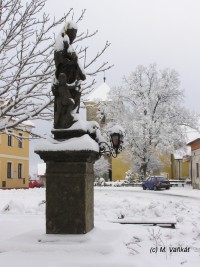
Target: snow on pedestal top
84, 142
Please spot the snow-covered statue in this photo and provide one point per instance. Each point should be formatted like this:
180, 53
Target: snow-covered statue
64, 103
66, 87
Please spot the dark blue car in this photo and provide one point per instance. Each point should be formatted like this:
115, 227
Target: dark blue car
156, 182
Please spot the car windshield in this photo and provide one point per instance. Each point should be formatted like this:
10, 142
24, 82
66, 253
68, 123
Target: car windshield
161, 178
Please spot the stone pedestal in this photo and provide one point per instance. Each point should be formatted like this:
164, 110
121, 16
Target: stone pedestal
65, 134
69, 191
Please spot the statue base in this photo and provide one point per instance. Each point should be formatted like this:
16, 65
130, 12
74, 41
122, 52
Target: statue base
69, 191
65, 134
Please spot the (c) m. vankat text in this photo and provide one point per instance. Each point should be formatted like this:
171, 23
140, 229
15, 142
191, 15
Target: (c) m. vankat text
175, 249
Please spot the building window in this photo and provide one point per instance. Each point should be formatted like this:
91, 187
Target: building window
197, 169
10, 139
9, 170
3, 183
19, 171
20, 141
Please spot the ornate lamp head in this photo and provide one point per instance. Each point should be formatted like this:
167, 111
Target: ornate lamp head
116, 136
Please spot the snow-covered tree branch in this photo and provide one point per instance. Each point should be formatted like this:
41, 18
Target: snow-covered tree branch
101, 167
149, 105
26, 60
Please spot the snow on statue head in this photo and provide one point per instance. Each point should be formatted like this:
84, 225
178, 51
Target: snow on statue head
70, 30
66, 36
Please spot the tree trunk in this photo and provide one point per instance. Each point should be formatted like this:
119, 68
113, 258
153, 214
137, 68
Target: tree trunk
143, 169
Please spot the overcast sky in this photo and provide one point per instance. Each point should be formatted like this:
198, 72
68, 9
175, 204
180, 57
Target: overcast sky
166, 32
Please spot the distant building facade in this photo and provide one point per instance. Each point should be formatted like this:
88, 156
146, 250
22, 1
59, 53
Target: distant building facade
195, 163
14, 158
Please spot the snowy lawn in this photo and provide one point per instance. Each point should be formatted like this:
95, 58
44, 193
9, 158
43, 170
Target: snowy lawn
23, 242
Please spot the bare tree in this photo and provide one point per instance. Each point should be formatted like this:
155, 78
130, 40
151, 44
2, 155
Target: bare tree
26, 60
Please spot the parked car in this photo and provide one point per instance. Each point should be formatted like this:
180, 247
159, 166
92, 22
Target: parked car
156, 182
35, 183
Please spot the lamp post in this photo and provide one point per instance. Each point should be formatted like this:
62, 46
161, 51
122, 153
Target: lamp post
116, 137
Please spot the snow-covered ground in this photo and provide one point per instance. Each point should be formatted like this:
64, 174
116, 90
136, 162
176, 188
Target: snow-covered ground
23, 241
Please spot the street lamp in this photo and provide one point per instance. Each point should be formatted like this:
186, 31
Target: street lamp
116, 137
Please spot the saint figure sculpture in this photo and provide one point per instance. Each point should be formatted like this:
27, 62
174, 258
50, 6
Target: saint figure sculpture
66, 88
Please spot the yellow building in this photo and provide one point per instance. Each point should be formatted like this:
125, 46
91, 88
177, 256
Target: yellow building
175, 167
14, 158
120, 166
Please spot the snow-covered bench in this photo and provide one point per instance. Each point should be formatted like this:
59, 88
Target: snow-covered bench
162, 222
